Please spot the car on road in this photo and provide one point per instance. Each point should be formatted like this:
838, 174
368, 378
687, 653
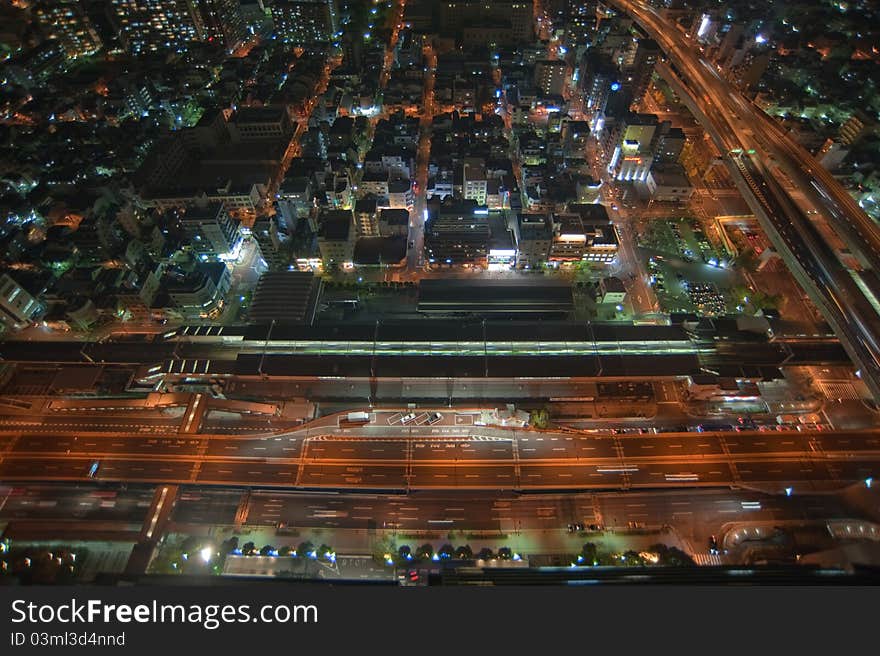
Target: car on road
713, 545
434, 417
93, 469
407, 418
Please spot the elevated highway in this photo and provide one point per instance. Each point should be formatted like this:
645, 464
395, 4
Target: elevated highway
751, 140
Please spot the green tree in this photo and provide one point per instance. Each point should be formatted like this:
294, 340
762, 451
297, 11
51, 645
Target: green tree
425, 552
747, 259
304, 549
504, 553
446, 551
539, 418
486, 554
632, 559
285, 551
249, 549
267, 550
464, 552
590, 554
405, 552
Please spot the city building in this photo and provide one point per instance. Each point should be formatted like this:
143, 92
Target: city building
400, 194
212, 233
366, 217
18, 308
670, 145
199, 294
454, 16
380, 252
305, 22
857, 127
634, 147
285, 297
534, 237
33, 65
611, 291
457, 233
550, 76
598, 80
269, 239
146, 26
639, 75
474, 183
669, 183
67, 21
502, 244
254, 123
336, 238
223, 22
576, 240
393, 222
294, 201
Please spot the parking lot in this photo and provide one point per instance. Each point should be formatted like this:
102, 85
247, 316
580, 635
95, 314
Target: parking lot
414, 419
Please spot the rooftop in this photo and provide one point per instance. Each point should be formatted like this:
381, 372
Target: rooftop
452, 295
287, 297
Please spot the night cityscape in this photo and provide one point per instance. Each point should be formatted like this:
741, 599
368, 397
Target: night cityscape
439, 292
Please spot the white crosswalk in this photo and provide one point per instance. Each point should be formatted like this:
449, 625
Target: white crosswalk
841, 390
707, 560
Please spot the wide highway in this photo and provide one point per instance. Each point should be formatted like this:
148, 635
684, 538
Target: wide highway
478, 458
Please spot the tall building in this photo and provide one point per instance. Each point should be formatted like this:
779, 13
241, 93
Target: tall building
598, 80
580, 24
634, 147
534, 237
304, 22
729, 44
268, 237
150, 25
457, 234
67, 21
550, 76
669, 145
521, 16
336, 237
223, 22
647, 55
474, 183
455, 15
211, 231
